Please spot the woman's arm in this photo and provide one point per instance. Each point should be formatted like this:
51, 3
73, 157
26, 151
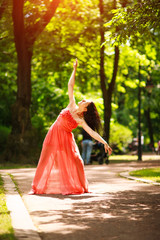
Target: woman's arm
96, 136
71, 83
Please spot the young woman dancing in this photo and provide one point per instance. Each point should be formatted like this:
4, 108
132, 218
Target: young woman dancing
61, 169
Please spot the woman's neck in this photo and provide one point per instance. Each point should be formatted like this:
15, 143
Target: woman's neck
79, 112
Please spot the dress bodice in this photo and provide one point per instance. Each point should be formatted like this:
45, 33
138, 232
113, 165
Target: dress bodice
66, 121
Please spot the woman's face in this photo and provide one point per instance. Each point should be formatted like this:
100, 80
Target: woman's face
84, 104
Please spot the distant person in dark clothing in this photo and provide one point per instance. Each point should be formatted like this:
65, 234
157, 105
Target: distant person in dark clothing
87, 145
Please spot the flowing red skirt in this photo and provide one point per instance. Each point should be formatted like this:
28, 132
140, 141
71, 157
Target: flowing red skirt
60, 169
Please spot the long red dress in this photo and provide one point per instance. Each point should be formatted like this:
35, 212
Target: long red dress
60, 169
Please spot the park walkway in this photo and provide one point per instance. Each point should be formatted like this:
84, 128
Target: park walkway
116, 208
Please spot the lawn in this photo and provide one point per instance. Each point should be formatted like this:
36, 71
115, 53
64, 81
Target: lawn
122, 158
152, 174
6, 229
129, 158
10, 165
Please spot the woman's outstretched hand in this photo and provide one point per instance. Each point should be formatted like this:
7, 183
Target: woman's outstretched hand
75, 64
108, 149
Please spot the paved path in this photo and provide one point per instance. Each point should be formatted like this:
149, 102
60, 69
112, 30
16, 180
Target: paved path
116, 208
21, 221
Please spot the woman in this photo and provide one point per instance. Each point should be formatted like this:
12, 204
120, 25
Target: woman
60, 169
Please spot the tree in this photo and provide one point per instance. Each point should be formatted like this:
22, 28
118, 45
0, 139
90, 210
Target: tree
139, 23
107, 89
25, 34
29, 20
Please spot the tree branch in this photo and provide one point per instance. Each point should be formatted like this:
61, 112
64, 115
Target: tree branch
115, 69
35, 30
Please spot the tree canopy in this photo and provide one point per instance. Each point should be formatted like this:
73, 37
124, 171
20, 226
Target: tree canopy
139, 18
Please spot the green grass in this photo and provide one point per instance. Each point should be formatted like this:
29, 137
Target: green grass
129, 158
6, 229
9, 165
152, 174
122, 158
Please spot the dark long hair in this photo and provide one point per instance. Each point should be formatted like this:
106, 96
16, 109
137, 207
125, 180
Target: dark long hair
92, 118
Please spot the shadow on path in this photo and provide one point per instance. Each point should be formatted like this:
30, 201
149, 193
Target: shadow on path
123, 216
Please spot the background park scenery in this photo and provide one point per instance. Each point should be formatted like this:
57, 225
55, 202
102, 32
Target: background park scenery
118, 49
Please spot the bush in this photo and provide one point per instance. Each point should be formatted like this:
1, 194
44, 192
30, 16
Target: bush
4, 132
38, 124
120, 137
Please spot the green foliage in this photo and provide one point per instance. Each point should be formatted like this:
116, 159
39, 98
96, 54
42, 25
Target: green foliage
38, 123
138, 19
4, 132
8, 67
120, 137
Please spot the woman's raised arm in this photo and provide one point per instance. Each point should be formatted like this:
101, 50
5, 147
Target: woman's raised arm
71, 83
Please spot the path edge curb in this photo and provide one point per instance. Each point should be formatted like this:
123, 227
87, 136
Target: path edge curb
126, 175
22, 223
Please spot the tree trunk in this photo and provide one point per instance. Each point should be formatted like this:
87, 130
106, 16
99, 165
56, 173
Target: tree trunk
21, 116
108, 107
21, 109
22, 142
102, 71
